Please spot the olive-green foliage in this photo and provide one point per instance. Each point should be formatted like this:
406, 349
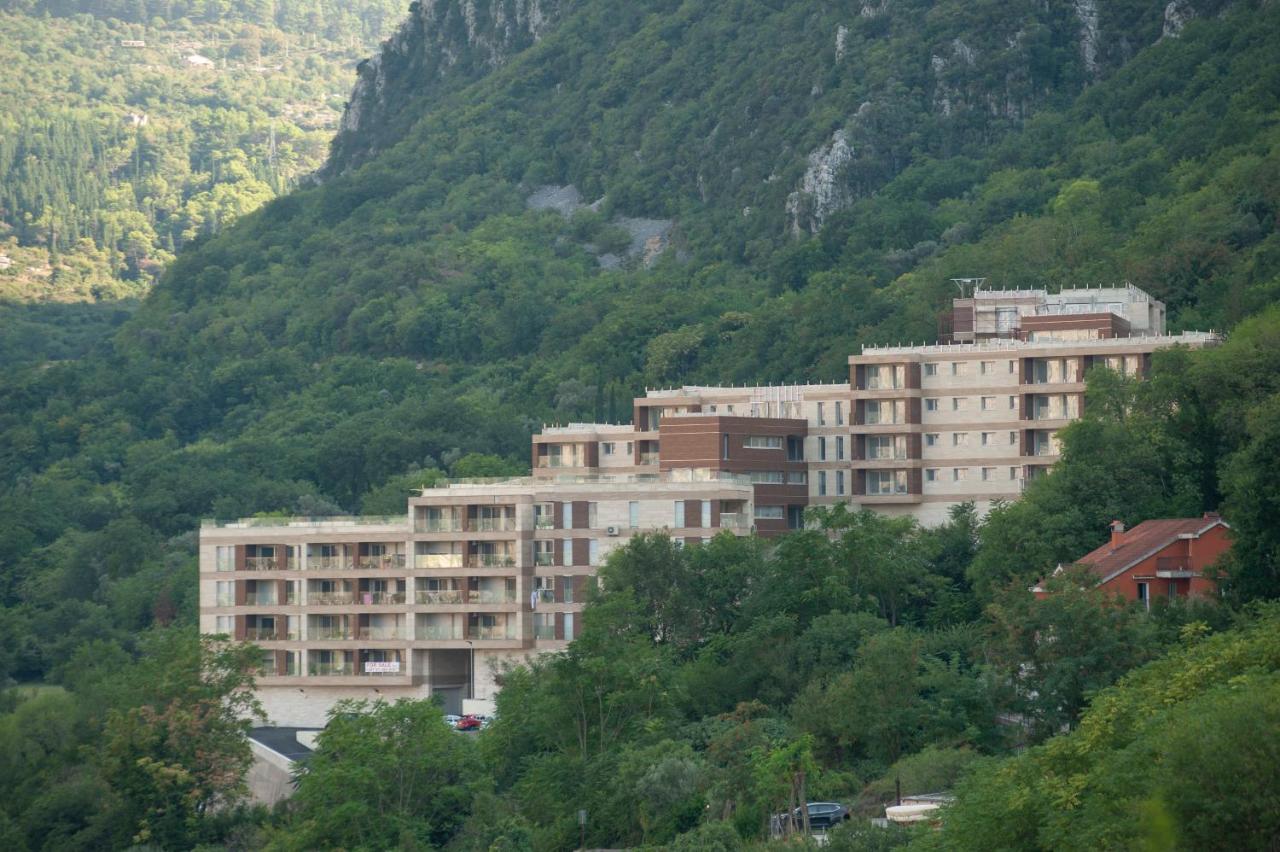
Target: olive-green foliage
1187, 742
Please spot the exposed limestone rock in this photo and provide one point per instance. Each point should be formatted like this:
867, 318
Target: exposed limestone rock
874, 10
1087, 12
1176, 16
842, 34
820, 192
565, 200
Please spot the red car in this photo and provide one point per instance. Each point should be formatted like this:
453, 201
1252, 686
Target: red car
469, 723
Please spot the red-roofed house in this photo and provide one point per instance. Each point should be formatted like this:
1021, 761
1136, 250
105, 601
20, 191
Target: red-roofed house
1161, 557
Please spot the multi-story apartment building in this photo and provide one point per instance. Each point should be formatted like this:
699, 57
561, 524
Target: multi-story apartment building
475, 573
432, 602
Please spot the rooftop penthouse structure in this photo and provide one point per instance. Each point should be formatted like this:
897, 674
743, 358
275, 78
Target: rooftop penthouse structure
479, 572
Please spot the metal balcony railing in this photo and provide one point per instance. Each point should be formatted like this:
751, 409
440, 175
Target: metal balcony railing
379, 598
378, 633
261, 634
438, 560
328, 563
498, 631
440, 597
261, 563
544, 523
490, 560
505, 524
330, 598
330, 669
328, 633
260, 599
544, 559
438, 633
436, 525
544, 631
386, 562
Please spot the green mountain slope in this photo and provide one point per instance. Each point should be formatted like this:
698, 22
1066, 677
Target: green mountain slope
330, 349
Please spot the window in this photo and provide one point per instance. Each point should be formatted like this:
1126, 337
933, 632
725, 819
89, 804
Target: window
568, 626
1144, 595
822, 419
886, 447
544, 625
931, 439
822, 483
886, 482
822, 449
839, 413
226, 594
763, 442
1013, 439
1013, 403
544, 552
724, 446
795, 448
226, 559
633, 514
840, 482
593, 510
679, 514
630, 449
988, 439
959, 368
1012, 367
766, 477
931, 369
931, 405
885, 411
839, 447
959, 474
959, 403
795, 517
797, 477
987, 367
931, 474
1013, 473
988, 403
593, 554
706, 516
959, 439
225, 624
988, 474
606, 448
770, 513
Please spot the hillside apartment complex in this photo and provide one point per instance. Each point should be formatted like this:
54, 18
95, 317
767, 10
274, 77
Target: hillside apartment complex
477, 572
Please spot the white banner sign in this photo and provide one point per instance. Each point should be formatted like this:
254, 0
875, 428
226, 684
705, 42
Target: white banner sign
379, 667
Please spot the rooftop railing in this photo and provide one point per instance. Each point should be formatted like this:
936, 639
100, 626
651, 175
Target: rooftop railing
308, 521
1014, 345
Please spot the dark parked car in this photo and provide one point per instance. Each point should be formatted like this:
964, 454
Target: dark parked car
822, 815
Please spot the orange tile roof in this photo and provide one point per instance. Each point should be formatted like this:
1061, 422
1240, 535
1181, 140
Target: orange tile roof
1142, 541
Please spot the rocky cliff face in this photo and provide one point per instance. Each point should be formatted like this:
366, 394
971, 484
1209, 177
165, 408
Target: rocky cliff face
441, 43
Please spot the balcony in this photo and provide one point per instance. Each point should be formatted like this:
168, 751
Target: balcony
543, 523
438, 633
386, 562
328, 563
262, 634
735, 521
544, 559
490, 560
260, 599
497, 632
492, 524
546, 595
1175, 568
261, 563
544, 631
648, 458
437, 525
379, 598
328, 633
318, 669
438, 560
379, 633
331, 598
440, 597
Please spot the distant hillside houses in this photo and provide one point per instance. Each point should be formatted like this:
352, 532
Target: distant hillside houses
195, 60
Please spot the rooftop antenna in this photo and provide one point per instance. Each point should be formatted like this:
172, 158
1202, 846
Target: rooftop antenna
974, 283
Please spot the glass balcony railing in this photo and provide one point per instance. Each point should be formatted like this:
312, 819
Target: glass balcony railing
376, 598
328, 563
263, 634
491, 560
261, 563
546, 595
437, 633
378, 633
437, 525
734, 521
260, 599
319, 669
497, 631
328, 633
438, 560
504, 524
446, 597
544, 558
543, 523
386, 562
330, 598
544, 631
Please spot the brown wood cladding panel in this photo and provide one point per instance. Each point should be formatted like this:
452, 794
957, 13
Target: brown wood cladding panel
915, 483
240, 557
558, 552
693, 513
557, 515
579, 585
913, 409
559, 625
239, 629
913, 375
715, 513
282, 556
915, 445
282, 591
859, 482
241, 592
592, 453
581, 551
581, 514
1106, 324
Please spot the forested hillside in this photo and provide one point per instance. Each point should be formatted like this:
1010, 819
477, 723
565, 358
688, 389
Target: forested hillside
533, 211
127, 131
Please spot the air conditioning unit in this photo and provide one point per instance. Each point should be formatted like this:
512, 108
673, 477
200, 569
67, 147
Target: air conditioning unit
611, 530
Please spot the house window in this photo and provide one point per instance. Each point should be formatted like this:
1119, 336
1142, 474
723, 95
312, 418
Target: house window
959, 474
225, 624
633, 513
724, 446
931, 369
959, 403
839, 447
988, 474
931, 439
988, 403
606, 448
959, 439
706, 515
1012, 368
767, 477
225, 594
593, 510
886, 482
679, 514
839, 413
931, 405
1013, 403
593, 553
822, 449
797, 477
959, 368
770, 513
763, 442
840, 482
1013, 438
931, 474
822, 418
988, 439
822, 483
987, 367
1144, 595
1013, 473
226, 559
